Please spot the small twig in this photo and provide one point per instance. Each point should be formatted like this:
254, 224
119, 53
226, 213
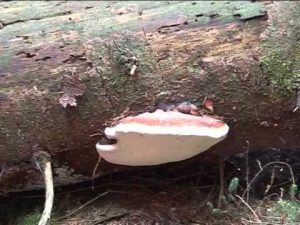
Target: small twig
259, 164
205, 98
96, 166
281, 194
268, 197
95, 169
42, 160
133, 69
96, 134
247, 169
38, 164
269, 186
49, 194
82, 206
263, 168
89, 202
249, 207
221, 190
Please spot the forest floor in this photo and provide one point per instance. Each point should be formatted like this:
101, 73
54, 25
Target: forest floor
163, 196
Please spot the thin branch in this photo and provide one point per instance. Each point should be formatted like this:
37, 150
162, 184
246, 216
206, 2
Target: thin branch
263, 168
96, 134
89, 202
269, 186
221, 190
249, 207
49, 194
43, 162
247, 169
82, 206
95, 169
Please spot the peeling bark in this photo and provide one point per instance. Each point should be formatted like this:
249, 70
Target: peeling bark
182, 51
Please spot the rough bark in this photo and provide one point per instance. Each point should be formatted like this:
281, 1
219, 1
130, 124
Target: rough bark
65, 75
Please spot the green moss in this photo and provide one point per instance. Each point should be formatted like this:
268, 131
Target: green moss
280, 71
282, 68
280, 59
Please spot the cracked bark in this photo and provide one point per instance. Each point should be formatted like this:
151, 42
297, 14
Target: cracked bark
186, 51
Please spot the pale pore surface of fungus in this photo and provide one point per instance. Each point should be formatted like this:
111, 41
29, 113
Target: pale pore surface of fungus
161, 137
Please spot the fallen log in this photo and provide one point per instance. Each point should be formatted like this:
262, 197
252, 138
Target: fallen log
70, 69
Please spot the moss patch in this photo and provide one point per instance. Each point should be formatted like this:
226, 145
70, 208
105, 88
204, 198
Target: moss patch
281, 71
281, 50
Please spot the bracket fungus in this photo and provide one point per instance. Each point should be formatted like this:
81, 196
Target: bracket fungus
160, 137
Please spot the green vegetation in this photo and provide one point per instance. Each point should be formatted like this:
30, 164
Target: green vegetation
281, 72
29, 219
284, 210
280, 59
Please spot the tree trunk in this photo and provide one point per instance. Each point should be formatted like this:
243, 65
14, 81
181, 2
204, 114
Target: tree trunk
67, 70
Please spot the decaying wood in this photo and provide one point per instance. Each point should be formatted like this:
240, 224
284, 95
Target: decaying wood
69, 69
